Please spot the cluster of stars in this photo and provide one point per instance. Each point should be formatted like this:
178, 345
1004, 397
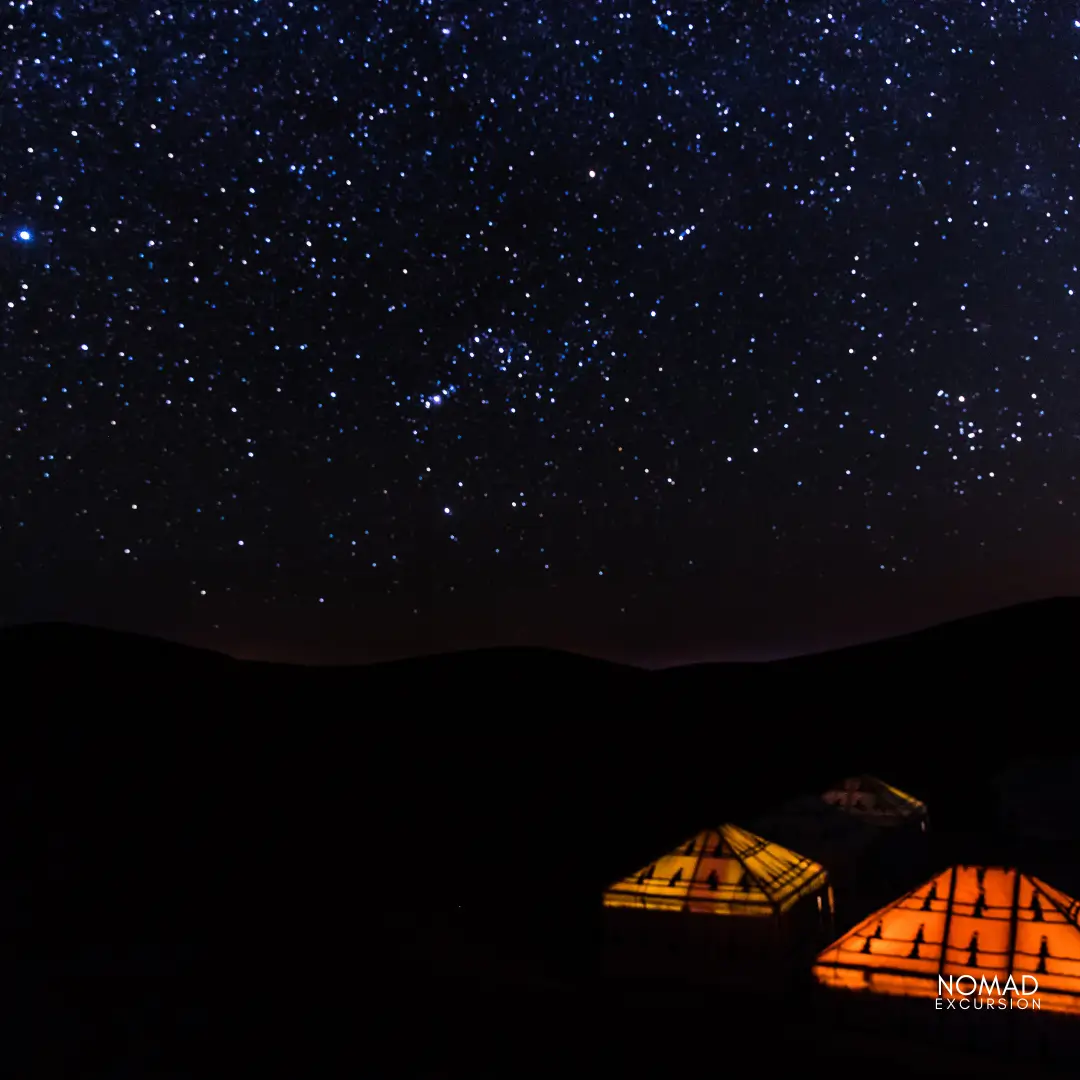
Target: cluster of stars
393, 301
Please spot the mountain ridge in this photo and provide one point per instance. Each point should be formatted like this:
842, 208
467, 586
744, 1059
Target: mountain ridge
1018, 620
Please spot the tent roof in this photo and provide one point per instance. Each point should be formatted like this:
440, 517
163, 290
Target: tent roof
874, 800
721, 871
973, 921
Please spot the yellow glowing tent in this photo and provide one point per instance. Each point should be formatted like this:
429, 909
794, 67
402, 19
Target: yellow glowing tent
723, 871
874, 801
777, 905
978, 922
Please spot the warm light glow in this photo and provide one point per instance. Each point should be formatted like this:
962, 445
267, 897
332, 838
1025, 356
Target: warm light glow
966, 921
872, 799
725, 871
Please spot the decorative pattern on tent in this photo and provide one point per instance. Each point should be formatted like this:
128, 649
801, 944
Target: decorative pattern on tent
873, 799
970, 921
724, 871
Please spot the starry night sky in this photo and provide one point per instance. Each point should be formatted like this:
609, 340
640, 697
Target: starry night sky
635, 327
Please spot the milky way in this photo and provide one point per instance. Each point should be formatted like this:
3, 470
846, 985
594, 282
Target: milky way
388, 299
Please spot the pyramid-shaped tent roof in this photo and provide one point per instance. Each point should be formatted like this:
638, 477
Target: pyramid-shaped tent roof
722, 871
967, 921
874, 800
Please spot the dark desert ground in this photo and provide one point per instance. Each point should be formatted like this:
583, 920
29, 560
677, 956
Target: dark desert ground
408, 858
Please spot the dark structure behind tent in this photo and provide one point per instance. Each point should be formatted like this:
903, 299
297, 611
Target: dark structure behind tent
869, 836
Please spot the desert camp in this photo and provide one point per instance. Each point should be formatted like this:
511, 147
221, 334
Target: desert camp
736, 907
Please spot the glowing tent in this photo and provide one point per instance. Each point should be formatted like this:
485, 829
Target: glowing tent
968, 921
720, 895
876, 802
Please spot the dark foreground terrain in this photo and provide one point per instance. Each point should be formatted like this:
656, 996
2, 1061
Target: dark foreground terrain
398, 869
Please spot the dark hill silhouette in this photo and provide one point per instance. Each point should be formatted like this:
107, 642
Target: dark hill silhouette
1042, 632
545, 671
183, 808
1037, 632
75, 645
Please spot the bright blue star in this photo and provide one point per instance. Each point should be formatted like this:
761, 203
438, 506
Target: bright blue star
25, 235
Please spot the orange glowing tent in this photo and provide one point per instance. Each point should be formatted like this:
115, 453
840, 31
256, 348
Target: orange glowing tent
876, 802
975, 922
